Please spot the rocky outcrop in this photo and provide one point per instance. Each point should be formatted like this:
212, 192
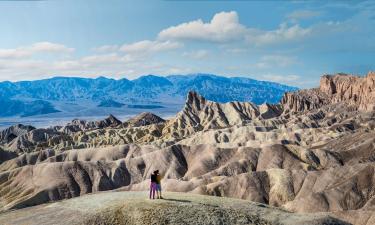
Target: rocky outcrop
38, 139
83, 125
143, 119
10, 133
111, 121
358, 91
201, 114
268, 111
303, 100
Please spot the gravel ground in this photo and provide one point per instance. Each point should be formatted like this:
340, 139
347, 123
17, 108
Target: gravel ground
112, 208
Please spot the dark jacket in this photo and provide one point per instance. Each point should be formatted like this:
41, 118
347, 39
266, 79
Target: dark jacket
153, 178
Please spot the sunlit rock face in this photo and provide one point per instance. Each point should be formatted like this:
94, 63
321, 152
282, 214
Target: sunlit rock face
312, 152
356, 91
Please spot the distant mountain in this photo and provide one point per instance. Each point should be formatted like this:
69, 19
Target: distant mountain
25, 108
27, 98
223, 89
110, 103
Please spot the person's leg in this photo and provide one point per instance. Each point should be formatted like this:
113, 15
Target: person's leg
153, 190
159, 191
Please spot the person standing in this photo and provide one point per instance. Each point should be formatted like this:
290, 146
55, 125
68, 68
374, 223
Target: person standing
153, 184
158, 184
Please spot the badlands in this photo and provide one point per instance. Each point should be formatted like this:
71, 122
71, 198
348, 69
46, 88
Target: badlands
312, 154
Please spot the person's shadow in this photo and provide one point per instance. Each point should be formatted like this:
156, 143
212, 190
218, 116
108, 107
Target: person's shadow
175, 200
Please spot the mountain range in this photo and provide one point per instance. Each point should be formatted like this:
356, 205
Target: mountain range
313, 153
27, 98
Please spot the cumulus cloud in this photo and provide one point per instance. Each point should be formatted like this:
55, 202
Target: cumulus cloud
105, 58
198, 54
13, 53
224, 26
40, 47
49, 47
284, 33
148, 46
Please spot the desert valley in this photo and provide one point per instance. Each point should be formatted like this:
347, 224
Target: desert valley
309, 159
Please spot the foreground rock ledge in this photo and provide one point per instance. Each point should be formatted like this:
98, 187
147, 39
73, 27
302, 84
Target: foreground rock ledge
177, 208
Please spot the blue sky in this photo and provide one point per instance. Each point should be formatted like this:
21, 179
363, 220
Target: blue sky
284, 41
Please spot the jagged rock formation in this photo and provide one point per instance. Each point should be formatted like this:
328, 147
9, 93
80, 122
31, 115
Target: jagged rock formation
346, 88
313, 152
83, 125
7, 135
143, 119
304, 100
201, 114
356, 91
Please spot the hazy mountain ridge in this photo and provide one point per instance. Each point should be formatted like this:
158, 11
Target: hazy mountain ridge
143, 90
12, 107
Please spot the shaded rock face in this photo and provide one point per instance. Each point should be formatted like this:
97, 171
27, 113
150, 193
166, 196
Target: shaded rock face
6, 155
111, 121
143, 119
304, 100
313, 152
12, 132
82, 125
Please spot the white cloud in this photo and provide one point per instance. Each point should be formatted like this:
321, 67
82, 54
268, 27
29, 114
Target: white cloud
25, 64
28, 51
302, 15
106, 48
106, 58
224, 26
284, 33
49, 47
148, 46
13, 53
198, 54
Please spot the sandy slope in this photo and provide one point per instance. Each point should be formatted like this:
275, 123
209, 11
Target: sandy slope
177, 208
